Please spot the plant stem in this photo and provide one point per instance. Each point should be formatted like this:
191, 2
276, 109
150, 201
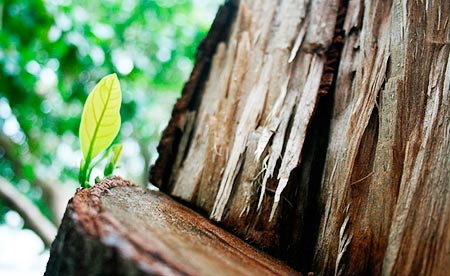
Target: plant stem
82, 178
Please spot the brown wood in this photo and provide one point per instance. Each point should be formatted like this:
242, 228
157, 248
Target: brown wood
181, 114
318, 131
116, 228
321, 133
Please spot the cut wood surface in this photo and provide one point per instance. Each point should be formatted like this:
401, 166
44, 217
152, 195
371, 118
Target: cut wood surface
116, 228
321, 133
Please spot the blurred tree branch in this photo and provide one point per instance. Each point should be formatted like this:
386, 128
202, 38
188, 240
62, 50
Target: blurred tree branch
147, 158
30, 213
55, 194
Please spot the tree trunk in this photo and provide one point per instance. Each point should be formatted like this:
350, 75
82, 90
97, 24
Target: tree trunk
117, 228
318, 131
321, 133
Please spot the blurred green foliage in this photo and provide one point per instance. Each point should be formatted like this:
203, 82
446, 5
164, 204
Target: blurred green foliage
52, 52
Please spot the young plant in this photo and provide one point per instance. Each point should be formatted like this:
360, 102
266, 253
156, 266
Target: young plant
100, 124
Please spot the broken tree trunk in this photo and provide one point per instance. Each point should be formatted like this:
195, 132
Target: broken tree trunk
320, 131
117, 228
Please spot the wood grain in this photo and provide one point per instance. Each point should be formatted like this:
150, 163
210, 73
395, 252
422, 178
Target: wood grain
322, 135
116, 228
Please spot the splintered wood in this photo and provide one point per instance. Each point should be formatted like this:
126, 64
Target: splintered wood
321, 132
387, 178
256, 106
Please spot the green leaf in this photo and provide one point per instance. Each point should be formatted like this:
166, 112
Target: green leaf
117, 151
100, 122
113, 159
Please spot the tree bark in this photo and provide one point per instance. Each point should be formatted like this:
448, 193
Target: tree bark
318, 131
321, 133
117, 228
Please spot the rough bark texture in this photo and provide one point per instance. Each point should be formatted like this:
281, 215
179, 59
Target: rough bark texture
181, 119
117, 228
321, 132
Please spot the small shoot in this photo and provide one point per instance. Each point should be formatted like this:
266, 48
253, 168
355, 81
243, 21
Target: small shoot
116, 151
100, 124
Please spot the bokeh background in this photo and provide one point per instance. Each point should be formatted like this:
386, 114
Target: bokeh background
52, 53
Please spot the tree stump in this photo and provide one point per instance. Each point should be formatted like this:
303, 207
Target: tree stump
321, 133
117, 228
317, 131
